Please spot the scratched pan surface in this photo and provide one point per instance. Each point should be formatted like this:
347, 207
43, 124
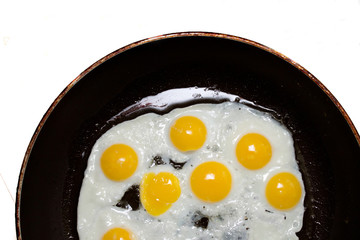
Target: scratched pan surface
326, 142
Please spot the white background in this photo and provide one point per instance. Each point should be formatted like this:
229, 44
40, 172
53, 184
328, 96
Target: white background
44, 45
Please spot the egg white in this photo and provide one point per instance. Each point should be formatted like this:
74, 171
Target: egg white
243, 213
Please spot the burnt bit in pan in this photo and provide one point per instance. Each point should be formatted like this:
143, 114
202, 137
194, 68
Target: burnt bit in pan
131, 199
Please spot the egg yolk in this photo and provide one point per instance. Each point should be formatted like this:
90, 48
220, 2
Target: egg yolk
188, 133
253, 151
283, 191
159, 191
117, 234
119, 162
211, 181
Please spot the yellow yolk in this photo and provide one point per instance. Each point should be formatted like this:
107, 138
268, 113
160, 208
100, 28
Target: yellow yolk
283, 191
117, 234
119, 162
188, 133
211, 181
253, 151
158, 192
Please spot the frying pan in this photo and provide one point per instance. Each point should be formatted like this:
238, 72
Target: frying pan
325, 140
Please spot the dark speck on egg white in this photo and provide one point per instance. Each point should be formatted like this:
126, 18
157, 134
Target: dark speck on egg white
196, 95
200, 220
215, 148
159, 160
220, 217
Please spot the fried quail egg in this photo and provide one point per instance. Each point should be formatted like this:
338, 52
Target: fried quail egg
221, 171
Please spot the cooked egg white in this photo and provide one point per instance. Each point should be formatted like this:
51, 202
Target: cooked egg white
243, 202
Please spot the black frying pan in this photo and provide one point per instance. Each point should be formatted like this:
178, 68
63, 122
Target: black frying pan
326, 142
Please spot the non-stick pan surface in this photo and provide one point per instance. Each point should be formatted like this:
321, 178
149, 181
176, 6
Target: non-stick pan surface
326, 142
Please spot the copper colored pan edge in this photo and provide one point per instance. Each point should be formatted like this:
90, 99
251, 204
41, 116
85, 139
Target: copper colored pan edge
144, 41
